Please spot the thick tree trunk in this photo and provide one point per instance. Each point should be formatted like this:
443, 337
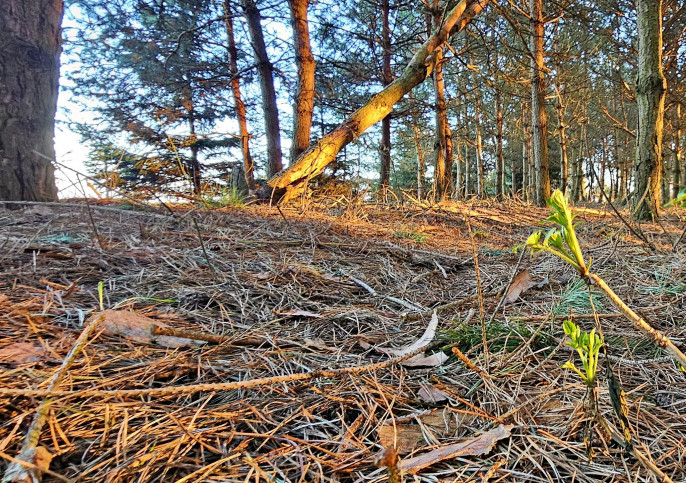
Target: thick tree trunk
320, 154
248, 164
265, 71
304, 60
387, 78
651, 86
30, 34
539, 118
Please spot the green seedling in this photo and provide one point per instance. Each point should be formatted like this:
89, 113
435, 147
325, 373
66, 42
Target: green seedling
556, 239
587, 345
562, 242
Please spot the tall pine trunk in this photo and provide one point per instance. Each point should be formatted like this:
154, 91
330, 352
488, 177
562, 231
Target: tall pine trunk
265, 70
304, 60
539, 118
676, 169
443, 144
248, 164
651, 87
387, 78
30, 35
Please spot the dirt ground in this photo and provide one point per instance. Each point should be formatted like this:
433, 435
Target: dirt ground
269, 359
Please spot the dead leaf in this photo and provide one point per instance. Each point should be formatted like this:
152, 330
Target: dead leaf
40, 457
403, 437
480, 445
427, 337
22, 353
138, 328
521, 283
431, 394
434, 360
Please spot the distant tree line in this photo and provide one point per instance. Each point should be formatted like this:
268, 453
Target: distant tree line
444, 99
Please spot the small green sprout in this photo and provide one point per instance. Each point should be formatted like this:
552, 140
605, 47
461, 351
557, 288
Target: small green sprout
562, 241
587, 345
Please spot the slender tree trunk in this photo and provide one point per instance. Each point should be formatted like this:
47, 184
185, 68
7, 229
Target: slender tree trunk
387, 78
480, 190
421, 164
526, 139
304, 61
319, 155
560, 107
539, 118
676, 171
248, 164
467, 161
195, 161
651, 86
265, 70
500, 160
30, 49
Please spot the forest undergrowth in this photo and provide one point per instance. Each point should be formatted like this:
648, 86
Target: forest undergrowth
253, 343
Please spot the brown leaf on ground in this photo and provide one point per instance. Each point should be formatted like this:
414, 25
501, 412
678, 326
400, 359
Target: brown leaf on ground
480, 445
521, 283
138, 328
403, 437
431, 394
21, 353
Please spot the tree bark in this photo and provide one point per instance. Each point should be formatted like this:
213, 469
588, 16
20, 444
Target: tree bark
539, 118
676, 170
265, 70
30, 35
320, 154
480, 190
651, 86
387, 78
443, 144
304, 60
248, 164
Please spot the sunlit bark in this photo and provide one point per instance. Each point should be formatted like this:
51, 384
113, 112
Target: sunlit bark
324, 151
248, 164
304, 60
651, 87
539, 118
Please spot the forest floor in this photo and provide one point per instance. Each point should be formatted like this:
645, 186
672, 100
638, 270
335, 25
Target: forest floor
311, 299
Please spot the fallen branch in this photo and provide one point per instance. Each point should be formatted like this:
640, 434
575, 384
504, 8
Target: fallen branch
16, 471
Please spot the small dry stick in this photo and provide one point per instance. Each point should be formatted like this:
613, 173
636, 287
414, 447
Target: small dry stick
225, 386
654, 335
479, 291
15, 471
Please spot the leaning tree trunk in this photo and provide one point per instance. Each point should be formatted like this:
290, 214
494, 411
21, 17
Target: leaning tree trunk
265, 71
387, 78
248, 164
304, 60
539, 118
651, 87
30, 34
291, 181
